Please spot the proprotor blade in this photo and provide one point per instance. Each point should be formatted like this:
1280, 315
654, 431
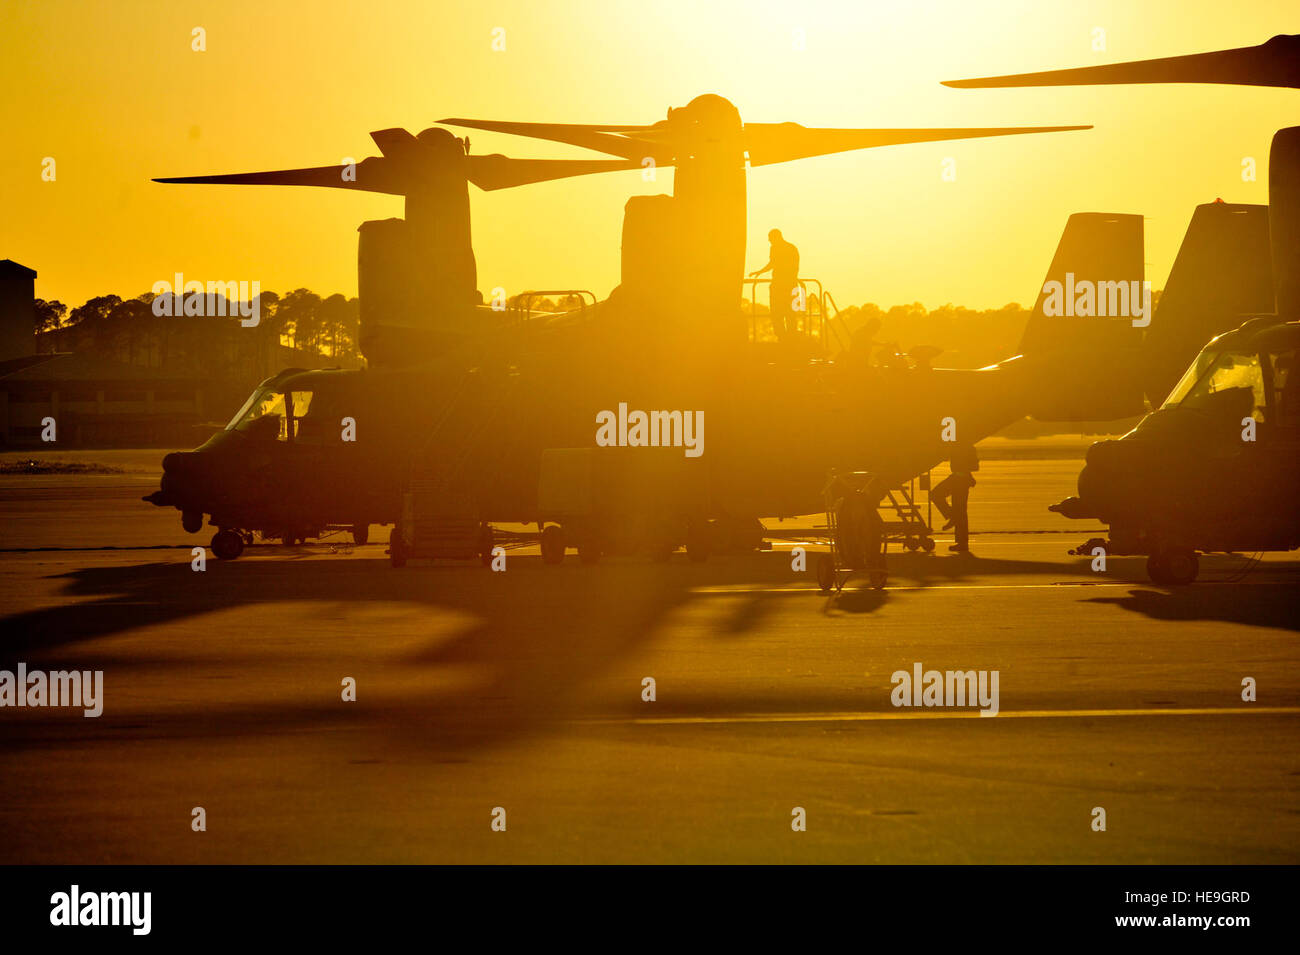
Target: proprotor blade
1275, 63
496, 171
372, 175
381, 175
394, 141
602, 139
781, 142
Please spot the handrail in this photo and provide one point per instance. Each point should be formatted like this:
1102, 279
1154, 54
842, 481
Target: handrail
844, 345
819, 298
523, 302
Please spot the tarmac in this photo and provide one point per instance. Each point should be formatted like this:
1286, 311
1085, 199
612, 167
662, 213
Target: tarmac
518, 697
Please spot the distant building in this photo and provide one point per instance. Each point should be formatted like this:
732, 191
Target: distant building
97, 402
17, 310
131, 380
93, 400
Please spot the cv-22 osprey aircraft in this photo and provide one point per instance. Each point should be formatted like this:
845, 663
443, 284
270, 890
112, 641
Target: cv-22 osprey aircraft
496, 416
1216, 467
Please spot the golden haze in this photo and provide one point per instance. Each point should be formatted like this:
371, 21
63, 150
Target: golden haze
116, 95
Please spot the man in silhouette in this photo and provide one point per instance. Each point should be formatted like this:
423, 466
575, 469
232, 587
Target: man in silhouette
783, 262
863, 343
859, 527
951, 495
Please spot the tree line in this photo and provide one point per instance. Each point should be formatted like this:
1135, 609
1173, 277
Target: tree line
130, 331
969, 338
316, 327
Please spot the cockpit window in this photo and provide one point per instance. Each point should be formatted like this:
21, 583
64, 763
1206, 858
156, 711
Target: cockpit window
264, 412
300, 403
1234, 385
274, 413
1190, 377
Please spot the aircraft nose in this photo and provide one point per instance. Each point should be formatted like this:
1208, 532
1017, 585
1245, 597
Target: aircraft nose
178, 471
178, 462
1121, 476
1107, 465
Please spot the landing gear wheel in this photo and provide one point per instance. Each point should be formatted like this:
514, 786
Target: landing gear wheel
825, 573
737, 535
927, 544
396, 547
753, 537
289, 540
588, 545
1180, 566
360, 533
697, 542
192, 521
227, 544
553, 544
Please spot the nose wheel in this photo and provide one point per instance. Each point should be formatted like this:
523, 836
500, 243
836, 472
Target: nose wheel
227, 544
1174, 566
698, 544
553, 544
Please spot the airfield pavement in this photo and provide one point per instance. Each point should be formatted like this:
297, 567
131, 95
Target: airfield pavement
523, 690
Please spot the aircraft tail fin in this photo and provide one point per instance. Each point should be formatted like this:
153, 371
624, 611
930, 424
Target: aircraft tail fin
1085, 331
1221, 276
1284, 218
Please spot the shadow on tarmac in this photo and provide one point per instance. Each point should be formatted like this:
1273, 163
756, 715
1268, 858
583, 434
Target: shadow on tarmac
1277, 607
539, 633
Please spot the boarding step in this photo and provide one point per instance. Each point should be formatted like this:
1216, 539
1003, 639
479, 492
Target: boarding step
438, 521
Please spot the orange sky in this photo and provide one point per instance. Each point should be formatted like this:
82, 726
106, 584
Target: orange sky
115, 95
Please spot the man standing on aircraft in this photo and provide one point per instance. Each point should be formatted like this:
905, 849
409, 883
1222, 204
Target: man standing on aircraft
783, 262
951, 494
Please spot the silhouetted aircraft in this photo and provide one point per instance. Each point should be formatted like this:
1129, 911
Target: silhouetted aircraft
479, 414
1217, 466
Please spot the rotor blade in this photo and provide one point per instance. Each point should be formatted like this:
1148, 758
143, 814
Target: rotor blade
496, 171
598, 138
372, 175
781, 142
381, 175
1274, 63
394, 140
